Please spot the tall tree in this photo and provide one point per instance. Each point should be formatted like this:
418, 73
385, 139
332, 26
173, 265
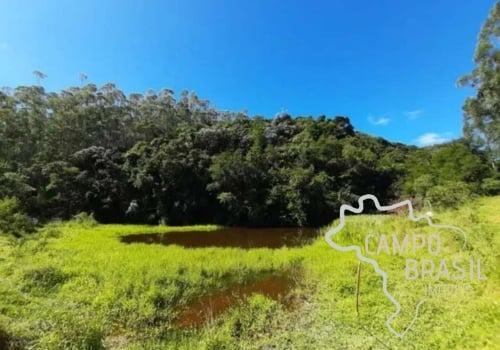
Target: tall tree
39, 76
482, 112
82, 76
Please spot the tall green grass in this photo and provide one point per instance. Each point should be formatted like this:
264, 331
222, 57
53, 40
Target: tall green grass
75, 286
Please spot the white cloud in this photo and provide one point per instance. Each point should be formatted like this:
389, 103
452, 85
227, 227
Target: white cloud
432, 138
378, 121
413, 114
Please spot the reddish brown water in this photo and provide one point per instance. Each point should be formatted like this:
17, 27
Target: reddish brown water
209, 306
230, 237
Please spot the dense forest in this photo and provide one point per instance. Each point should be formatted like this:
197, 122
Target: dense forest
154, 158
158, 157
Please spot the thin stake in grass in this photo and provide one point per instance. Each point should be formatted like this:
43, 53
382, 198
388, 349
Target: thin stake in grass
358, 281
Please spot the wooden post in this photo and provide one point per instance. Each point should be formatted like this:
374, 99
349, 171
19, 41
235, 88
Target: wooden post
358, 280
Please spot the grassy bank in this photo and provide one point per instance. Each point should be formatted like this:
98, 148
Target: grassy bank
75, 286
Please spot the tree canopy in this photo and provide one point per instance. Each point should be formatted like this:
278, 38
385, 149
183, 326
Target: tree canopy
155, 157
482, 112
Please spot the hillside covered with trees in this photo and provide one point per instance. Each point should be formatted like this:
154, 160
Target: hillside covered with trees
158, 157
154, 158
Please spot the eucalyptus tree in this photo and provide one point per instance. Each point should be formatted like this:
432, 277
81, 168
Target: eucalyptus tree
482, 112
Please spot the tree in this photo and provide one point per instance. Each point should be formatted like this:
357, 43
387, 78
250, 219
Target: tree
482, 112
154, 158
39, 76
12, 220
441, 165
102, 182
82, 77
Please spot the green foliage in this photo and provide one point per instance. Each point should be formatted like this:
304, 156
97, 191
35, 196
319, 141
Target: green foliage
73, 332
482, 112
491, 186
84, 220
449, 195
445, 166
4, 338
102, 183
158, 158
12, 220
422, 185
86, 290
255, 318
43, 280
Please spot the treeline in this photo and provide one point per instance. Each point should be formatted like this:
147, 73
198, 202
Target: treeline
157, 158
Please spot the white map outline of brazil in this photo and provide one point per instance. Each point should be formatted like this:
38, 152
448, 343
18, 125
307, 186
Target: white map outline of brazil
334, 230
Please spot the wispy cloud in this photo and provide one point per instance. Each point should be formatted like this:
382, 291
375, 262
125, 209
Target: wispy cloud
378, 121
3, 45
432, 138
413, 114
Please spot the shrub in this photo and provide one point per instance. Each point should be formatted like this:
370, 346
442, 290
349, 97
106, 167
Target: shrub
85, 220
449, 195
423, 184
12, 220
491, 186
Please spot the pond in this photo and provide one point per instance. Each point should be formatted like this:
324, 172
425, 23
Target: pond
236, 237
209, 306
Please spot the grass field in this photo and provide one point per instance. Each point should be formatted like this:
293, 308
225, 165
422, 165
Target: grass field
75, 286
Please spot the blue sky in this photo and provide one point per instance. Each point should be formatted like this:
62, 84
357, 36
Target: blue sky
391, 66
